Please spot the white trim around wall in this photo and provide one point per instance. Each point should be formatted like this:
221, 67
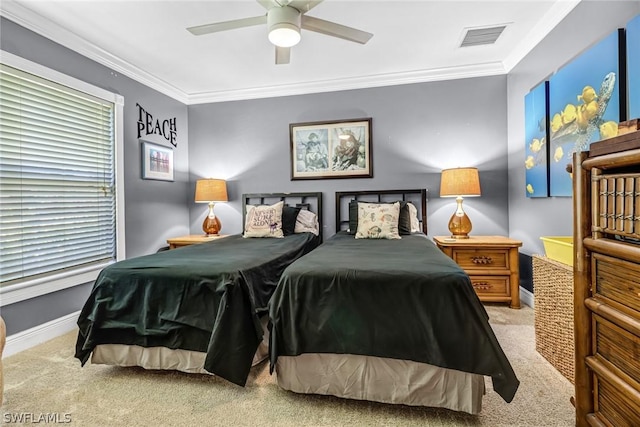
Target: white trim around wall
39, 334
25, 17
526, 297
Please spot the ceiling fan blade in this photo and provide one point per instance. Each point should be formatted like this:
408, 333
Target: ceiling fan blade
304, 6
336, 30
267, 4
283, 55
227, 25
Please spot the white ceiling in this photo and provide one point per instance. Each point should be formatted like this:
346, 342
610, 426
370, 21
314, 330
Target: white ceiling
413, 41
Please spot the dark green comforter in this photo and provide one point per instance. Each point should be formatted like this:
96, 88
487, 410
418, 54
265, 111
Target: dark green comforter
401, 299
205, 297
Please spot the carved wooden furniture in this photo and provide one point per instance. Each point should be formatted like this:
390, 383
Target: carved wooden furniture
607, 283
492, 264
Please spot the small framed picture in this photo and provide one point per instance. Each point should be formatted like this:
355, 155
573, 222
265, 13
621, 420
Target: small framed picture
337, 149
157, 162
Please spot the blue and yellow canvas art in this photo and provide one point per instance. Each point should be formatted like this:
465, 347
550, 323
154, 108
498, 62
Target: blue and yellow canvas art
633, 67
535, 163
584, 107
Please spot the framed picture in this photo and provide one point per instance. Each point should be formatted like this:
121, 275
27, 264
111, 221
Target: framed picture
584, 107
633, 67
337, 149
536, 111
157, 162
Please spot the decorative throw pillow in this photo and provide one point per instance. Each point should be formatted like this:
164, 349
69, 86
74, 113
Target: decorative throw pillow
289, 216
404, 220
264, 221
307, 222
353, 216
413, 218
378, 220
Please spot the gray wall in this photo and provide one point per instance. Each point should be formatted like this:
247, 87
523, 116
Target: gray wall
417, 130
154, 210
588, 23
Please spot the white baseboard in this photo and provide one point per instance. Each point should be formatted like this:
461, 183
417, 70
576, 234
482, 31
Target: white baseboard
41, 333
526, 297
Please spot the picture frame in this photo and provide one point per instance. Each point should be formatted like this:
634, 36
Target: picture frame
536, 110
584, 107
331, 149
157, 161
633, 67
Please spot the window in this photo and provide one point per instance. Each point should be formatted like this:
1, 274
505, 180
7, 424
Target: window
60, 192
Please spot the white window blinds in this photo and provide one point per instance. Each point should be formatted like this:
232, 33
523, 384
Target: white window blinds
57, 177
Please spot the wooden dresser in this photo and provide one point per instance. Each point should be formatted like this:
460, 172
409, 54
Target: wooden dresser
607, 282
492, 264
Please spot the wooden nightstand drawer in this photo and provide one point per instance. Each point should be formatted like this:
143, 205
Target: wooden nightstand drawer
492, 264
490, 285
471, 259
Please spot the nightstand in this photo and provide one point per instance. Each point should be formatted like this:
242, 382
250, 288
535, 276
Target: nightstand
492, 264
192, 239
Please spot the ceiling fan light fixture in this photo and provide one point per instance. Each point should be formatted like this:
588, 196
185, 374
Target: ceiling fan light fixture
284, 35
284, 26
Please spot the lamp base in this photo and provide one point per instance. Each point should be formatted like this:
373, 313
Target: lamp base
459, 224
211, 226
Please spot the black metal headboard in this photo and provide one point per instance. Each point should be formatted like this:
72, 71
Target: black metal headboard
312, 200
417, 197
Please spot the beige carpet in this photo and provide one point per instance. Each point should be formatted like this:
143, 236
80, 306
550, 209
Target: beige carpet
47, 382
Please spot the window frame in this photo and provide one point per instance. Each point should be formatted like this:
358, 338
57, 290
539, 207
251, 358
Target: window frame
52, 282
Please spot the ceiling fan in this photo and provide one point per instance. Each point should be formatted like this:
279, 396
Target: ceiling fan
284, 19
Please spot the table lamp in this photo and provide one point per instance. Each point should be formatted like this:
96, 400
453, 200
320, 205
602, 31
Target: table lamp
459, 183
211, 191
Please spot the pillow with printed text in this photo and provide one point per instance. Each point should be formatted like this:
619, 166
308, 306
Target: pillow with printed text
264, 221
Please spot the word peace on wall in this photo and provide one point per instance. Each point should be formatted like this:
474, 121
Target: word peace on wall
147, 125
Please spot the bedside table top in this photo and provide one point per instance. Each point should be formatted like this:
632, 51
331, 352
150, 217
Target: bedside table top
484, 241
194, 238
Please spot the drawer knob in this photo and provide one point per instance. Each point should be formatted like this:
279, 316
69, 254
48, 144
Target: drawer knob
481, 286
481, 259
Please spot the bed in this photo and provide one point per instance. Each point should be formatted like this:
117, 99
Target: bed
386, 320
199, 308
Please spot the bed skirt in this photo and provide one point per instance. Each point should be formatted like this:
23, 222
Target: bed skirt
381, 380
163, 358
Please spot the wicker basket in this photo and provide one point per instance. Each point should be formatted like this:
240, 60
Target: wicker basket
553, 292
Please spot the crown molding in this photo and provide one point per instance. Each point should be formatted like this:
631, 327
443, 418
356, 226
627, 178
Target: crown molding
27, 18
551, 19
376, 80
46, 28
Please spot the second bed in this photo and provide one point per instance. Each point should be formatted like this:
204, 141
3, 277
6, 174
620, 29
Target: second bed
387, 320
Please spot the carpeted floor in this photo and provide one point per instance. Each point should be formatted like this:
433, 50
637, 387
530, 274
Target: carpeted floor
47, 383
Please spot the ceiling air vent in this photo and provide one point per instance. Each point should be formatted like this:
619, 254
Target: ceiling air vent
478, 36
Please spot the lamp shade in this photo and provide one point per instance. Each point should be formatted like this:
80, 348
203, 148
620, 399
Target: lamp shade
459, 182
211, 190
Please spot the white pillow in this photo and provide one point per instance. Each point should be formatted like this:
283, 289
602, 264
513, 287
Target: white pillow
264, 221
307, 222
413, 215
378, 221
